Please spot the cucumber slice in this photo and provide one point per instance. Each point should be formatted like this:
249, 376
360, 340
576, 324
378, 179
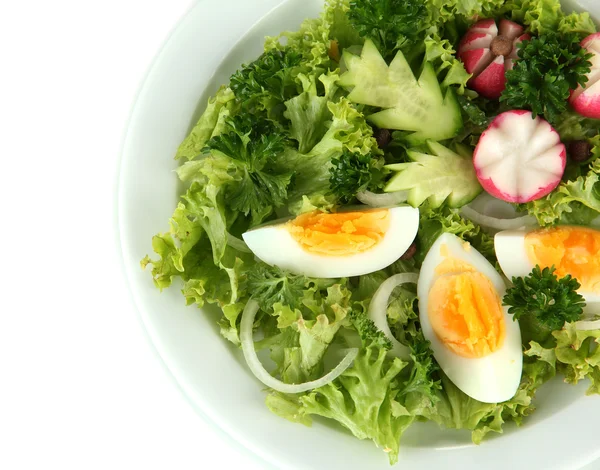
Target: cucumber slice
417, 106
442, 175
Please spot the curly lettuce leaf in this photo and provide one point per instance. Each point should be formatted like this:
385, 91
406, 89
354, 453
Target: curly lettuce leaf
308, 112
575, 202
578, 355
577, 23
363, 399
456, 410
575, 354
434, 222
210, 124
347, 130
301, 336
442, 54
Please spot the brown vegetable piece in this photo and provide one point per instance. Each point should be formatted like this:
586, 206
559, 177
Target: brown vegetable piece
410, 252
383, 137
579, 150
334, 50
501, 45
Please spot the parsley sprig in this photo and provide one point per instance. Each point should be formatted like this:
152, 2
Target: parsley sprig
390, 24
549, 66
549, 300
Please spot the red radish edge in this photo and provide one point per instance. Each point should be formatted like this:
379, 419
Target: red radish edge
487, 68
519, 159
586, 100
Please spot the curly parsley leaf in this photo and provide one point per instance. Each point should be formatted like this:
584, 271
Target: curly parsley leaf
549, 66
351, 173
270, 285
253, 145
370, 335
390, 24
268, 81
423, 380
543, 303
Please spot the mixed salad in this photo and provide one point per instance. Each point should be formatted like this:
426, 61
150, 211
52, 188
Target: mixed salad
400, 199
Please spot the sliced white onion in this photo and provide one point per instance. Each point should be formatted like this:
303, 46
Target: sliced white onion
237, 244
382, 200
378, 310
261, 373
588, 325
497, 223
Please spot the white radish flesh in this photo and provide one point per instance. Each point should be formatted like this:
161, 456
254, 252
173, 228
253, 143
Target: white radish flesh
518, 158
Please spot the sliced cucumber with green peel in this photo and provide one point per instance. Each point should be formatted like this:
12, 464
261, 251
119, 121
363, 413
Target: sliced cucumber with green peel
443, 175
412, 105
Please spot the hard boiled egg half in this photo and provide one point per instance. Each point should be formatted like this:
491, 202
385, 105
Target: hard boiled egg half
341, 244
473, 338
570, 249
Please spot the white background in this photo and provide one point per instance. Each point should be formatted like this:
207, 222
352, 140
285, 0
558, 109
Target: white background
80, 386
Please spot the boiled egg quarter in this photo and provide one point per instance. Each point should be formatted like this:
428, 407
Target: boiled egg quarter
473, 338
341, 244
570, 249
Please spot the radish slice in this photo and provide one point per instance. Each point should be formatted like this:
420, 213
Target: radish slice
378, 310
510, 29
487, 26
488, 52
518, 158
382, 200
261, 373
586, 100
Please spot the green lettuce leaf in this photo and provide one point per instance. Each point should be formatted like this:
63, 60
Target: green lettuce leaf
434, 222
575, 202
363, 399
347, 130
308, 112
456, 410
209, 125
578, 355
442, 54
577, 23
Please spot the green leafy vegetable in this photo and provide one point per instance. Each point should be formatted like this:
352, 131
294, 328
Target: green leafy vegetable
253, 147
390, 24
549, 67
351, 173
370, 335
574, 353
575, 202
543, 303
270, 285
363, 399
268, 81
347, 131
434, 222
308, 112
209, 125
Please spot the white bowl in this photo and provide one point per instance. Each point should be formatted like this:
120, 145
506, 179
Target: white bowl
207, 46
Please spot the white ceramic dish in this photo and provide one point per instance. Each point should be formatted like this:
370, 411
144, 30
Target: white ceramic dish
210, 43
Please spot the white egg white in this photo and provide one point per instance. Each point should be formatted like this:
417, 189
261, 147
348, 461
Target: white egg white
490, 379
514, 261
275, 245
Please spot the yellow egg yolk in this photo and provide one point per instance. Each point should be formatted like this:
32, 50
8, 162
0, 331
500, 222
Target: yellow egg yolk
571, 250
340, 234
465, 310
